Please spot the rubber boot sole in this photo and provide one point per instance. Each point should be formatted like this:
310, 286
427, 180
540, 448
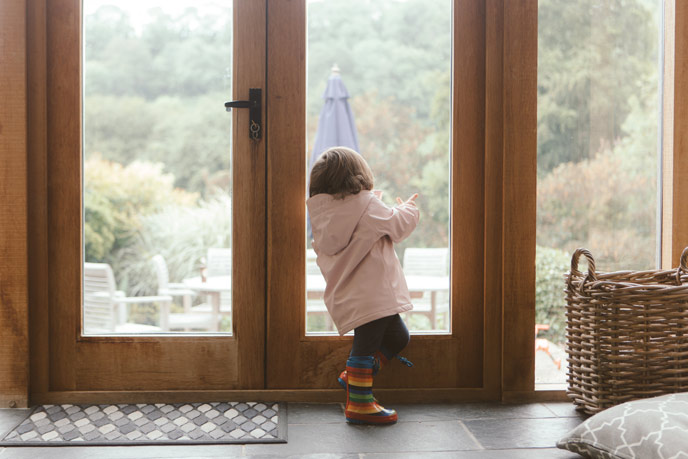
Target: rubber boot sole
372, 420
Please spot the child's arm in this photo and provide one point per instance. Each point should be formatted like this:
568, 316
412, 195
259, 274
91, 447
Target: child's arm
397, 222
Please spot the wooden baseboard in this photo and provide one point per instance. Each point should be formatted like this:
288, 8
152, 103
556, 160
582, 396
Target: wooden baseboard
282, 395
9, 401
287, 395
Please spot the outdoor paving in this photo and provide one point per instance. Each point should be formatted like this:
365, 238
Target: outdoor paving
319, 431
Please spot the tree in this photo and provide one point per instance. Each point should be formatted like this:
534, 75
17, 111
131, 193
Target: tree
115, 199
153, 93
593, 56
395, 79
607, 203
550, 306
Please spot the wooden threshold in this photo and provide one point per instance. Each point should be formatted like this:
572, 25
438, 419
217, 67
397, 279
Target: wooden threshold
281, 395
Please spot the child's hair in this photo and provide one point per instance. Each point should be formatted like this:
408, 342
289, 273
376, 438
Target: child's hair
340, 171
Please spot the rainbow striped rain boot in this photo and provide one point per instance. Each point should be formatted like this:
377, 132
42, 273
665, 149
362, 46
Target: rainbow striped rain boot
380, 361
361, 407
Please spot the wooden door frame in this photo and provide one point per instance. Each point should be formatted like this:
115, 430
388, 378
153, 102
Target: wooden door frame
675, 134
23, 187
494, 176
14, 269
53, 31
503, 76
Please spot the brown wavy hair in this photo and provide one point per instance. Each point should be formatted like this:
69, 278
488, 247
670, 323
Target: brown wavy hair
340, 171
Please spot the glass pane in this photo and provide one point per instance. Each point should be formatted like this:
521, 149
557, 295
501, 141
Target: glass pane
598, 150
394, 58
157, 166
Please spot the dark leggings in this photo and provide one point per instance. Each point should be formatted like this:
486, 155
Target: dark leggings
388, 335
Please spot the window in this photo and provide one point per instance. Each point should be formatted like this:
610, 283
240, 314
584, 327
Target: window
598, 134
398, 98
157, 166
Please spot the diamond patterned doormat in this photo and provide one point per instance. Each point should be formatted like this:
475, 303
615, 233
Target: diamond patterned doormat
179, 423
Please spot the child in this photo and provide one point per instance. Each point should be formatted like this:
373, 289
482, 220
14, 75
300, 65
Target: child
353, 236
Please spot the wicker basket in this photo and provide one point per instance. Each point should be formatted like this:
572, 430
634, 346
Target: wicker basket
626, 332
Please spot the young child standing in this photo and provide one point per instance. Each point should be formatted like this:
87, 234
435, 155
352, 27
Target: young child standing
353, 237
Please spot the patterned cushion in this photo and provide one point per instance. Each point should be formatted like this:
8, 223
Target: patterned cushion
644, 429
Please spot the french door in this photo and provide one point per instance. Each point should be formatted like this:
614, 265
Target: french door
268, 346
73, 352
460, 358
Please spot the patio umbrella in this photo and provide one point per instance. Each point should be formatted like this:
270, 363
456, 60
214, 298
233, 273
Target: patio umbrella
336, 127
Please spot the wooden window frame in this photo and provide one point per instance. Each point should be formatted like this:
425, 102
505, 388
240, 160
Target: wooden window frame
674, 237
14, 269
510, 76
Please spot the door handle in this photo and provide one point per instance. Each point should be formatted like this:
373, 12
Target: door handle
255, 126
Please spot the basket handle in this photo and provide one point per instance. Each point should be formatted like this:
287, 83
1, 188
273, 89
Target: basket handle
574, 265
682, 265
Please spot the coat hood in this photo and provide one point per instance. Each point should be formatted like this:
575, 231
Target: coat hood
334, 220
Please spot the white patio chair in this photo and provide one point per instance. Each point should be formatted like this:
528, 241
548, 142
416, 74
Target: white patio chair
194, 317
219, 264
105, 307
433, 262
315, 302
219, 261
426, 261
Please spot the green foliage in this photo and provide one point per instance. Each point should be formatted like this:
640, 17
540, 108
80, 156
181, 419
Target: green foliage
607, 203
116, 197
394, 48
157, 94
399, 84
597, 142
404, 164
154, 123
184, 56
191, 136
119, 128
593, 56
182, 235
550, 304
99, 228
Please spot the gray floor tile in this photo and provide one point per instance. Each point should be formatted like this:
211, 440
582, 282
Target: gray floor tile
9, 418
304, 456
344, 438
122, 452
531, 453
319, 431
307, 413
520, 433
470, 411
566, 410
426, 412
421, 455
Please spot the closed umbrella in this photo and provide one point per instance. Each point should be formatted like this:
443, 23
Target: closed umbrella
336, 126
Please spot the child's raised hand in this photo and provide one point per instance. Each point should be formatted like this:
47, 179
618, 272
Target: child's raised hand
411, 201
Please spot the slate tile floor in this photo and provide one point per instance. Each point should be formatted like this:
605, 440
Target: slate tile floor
318, 431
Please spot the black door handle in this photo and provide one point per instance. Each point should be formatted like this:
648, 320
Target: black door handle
255, 126
238, 104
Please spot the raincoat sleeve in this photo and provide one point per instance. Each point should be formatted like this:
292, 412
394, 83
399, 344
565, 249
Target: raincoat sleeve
396, 222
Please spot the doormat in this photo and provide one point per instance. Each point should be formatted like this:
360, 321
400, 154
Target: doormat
151, 424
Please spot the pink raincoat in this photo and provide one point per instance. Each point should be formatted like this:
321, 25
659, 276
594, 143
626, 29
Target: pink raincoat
353, 239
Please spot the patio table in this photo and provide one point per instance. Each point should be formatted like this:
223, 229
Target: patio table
417, 285
315, 288
212, 287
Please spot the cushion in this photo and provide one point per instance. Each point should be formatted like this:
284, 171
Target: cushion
644, 429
